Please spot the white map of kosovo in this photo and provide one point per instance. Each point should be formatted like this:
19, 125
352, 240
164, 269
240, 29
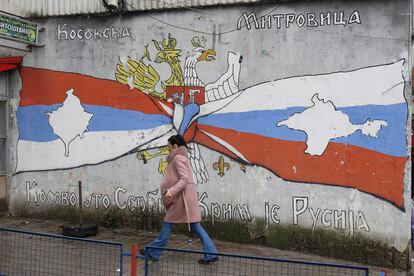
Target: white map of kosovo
323, 122
70, 120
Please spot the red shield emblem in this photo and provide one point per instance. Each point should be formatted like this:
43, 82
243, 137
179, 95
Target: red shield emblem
186, 94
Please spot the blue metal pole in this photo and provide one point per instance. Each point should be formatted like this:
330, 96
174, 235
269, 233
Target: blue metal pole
121, 267
146, 261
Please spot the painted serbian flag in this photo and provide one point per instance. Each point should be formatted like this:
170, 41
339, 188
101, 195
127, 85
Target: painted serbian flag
345, 129
67, 120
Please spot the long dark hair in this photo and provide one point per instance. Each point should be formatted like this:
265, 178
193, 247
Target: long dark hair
177, 140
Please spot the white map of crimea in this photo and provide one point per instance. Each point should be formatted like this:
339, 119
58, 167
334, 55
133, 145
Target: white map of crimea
323, 122
70, 120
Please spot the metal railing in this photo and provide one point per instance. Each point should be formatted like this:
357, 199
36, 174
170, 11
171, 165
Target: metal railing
30, 253
185, 262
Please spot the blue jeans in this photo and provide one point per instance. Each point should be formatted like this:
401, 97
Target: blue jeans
162, 239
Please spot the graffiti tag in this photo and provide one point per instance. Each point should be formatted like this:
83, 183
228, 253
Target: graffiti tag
64, 32
300, 20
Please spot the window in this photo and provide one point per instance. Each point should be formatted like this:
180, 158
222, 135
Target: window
2, 156
3, 122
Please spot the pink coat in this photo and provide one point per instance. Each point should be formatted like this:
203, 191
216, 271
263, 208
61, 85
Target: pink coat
183, 206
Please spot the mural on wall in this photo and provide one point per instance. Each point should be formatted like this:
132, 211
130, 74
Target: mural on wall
300, 207
220, 166
180, 88
351, 124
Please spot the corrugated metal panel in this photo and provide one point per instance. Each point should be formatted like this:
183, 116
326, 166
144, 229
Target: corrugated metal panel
11, 6
43, 8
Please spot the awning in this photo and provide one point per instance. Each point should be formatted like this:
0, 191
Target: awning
9, 63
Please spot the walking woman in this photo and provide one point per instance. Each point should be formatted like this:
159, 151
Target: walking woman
181, 202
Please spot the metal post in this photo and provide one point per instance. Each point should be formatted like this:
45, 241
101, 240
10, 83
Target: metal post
146, 261
134, 253
80, 204
121, 261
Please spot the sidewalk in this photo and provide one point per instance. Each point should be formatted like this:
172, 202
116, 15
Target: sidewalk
129, 237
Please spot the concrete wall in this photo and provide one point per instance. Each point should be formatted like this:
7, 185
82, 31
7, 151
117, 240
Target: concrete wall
44, 8
300, 118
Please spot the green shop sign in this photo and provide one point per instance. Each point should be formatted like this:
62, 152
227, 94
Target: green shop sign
17, 29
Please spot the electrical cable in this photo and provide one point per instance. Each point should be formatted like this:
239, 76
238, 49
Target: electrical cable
272, 10
203, 32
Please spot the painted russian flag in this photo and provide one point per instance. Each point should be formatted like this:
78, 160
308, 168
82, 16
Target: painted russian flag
96, 120
353, 136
